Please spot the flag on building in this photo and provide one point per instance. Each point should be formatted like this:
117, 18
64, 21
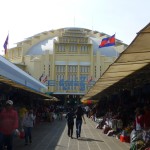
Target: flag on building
109, 41
89, 79
6, 44
43, 78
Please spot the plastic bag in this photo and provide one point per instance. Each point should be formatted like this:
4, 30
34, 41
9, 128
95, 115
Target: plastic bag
54, 116
16, 133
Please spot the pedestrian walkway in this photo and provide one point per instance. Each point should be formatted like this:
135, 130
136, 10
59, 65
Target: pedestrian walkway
53, 136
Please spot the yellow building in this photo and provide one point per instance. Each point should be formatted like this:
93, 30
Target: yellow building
68, 60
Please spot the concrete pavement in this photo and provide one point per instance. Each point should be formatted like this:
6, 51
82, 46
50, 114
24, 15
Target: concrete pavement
53, 136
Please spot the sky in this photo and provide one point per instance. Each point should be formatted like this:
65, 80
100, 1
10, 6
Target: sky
25, 18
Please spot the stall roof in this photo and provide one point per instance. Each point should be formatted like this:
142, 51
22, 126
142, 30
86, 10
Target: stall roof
12, 75
22, 87
135, 57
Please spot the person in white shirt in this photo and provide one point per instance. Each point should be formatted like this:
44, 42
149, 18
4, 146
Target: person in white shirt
87, 109
27, 123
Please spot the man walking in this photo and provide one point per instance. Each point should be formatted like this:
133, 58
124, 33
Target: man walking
8, 124
79, 117
70, 121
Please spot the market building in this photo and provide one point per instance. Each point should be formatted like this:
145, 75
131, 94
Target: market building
67, 60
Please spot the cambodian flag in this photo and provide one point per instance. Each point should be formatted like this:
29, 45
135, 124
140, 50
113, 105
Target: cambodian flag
110, 41
6, 43
43, 78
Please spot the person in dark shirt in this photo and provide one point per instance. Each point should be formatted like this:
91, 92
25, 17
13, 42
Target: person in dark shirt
70, 121
79, 116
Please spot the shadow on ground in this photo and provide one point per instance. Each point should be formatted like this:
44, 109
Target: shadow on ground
89, 139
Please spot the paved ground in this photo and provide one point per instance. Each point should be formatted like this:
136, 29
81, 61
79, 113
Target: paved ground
53, 136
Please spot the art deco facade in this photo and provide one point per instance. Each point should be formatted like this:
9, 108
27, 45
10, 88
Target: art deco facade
69, 58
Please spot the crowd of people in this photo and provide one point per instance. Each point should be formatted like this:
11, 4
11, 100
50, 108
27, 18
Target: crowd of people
123, 117
19, 120
117, 117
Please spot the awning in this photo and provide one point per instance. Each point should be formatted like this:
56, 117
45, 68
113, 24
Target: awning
25, 88
14, 73
54, 99
135, 57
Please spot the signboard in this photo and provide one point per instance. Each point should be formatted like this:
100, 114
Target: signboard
81, 85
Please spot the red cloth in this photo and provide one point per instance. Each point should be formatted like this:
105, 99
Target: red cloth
147, 119
22, 134
140, 120
8, 121
125, 138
